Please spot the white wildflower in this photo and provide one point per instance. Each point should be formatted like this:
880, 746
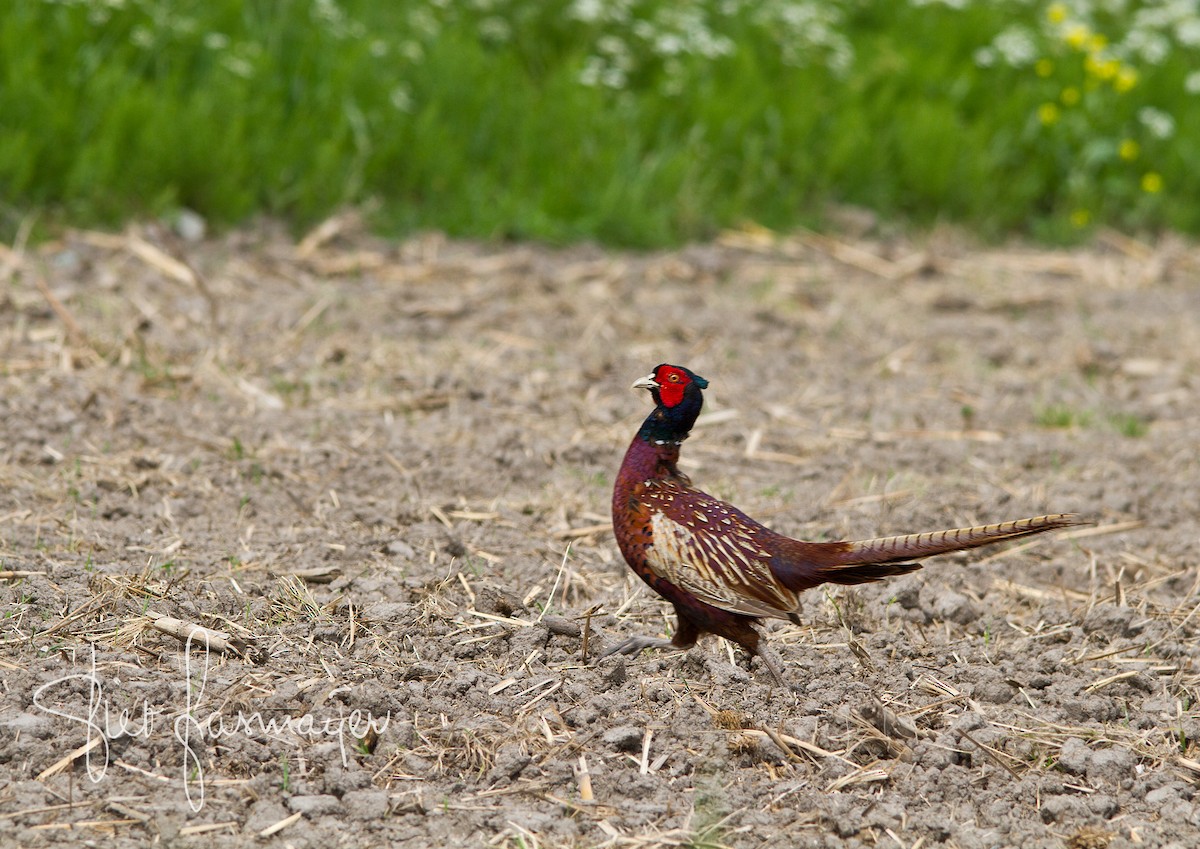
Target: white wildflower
328, 11
668, 44
239, 66
614, 78
1188, 32
142, 37
589, 74
611, 45
423, 22
1159, 123
1149, 46
401, 98
1191, 83
412, 51
495, 29
840, 58
588, 11
1017, 47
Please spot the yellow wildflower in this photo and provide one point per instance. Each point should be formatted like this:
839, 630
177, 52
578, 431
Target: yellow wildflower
1056, 13
1044, 67
1101, 68
1077, 36
1126, 79
1097, 42
1080, 218
1048, 113
1069, 96
1152, 182
1129, 150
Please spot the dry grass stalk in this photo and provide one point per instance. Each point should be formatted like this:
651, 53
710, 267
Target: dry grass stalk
126, 811
1112, 679
797, 743
74, 331
294, 600
644, 763
275, 828
68, 759
863, 775
92, 605
193, 634
1191, 765
991, 755
206, 828
504, 620
316, 574
106, 825
585, 531
585, 780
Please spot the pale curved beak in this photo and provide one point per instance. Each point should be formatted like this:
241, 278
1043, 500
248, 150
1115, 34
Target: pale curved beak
647, 382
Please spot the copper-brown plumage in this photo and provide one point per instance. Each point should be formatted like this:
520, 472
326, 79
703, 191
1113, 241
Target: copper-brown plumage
722, 570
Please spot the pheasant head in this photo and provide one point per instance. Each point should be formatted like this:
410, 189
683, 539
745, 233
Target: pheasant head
678, 398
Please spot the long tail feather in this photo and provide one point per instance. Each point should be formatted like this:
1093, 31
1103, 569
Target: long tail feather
897, 550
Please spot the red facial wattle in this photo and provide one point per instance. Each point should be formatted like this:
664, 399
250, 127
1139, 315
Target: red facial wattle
671, 384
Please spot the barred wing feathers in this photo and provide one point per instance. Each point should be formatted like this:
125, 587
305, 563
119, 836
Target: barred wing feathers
712, 550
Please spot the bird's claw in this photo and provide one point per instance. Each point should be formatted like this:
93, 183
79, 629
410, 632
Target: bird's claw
633, 646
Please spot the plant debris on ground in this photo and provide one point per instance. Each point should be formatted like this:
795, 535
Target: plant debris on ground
307, 543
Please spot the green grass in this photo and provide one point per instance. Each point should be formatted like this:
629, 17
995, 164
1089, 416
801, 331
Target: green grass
567, 120
1129, 424
1062, 416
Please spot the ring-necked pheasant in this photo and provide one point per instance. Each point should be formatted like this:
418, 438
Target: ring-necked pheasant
722, 570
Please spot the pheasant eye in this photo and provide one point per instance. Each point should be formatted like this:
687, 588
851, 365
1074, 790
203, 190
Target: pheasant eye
673, 377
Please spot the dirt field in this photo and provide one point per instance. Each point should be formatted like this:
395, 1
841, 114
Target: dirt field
383, 472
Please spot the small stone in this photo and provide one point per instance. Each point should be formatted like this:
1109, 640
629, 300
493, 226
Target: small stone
908, 597
994, 691
315, 805
1110, 765
509, 763
1103, 805
967, 721
955, 607
190, 225
934, 757
625, 738
1074, 756
1060, 809
399, 548
370, 804
263, 814
561, 625
1161, 796
618, 674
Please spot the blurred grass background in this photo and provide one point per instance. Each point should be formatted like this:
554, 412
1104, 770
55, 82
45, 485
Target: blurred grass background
632, 122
